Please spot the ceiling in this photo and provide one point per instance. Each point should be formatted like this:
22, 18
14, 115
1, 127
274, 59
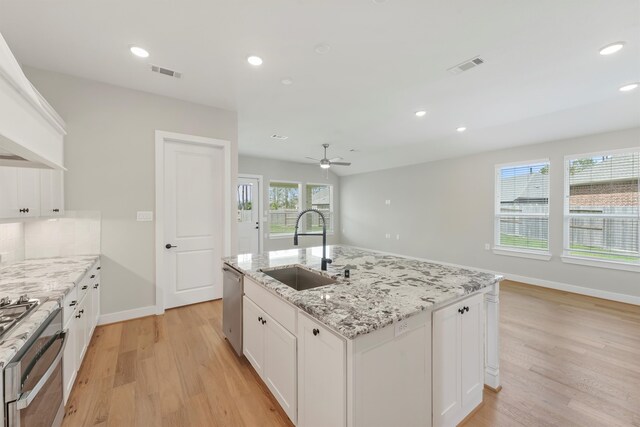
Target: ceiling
543, 78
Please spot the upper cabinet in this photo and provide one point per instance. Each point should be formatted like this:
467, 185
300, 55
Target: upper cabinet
31, 132
30, 193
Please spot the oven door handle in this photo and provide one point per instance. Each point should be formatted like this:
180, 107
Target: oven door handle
27, 397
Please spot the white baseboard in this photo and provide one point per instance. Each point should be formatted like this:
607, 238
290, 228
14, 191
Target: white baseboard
597, 293
127, 315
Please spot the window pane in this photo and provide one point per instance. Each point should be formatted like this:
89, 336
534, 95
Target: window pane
525, 189
524, 233
284, 203
523, 207
319, 197
614, 239
605, 185
604, 207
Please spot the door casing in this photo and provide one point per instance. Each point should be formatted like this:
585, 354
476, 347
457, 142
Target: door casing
161, 138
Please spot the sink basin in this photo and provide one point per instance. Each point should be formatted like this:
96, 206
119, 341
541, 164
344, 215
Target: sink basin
299, 278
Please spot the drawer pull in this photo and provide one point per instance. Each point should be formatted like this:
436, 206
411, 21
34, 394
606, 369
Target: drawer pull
73, 303
84, 287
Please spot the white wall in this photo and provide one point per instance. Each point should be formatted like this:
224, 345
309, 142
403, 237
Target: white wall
444, 211
277, 170
110, 156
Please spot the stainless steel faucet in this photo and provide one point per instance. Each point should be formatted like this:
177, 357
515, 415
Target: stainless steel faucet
325, 260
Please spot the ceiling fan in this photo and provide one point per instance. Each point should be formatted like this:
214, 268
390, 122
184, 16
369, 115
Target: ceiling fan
327, 163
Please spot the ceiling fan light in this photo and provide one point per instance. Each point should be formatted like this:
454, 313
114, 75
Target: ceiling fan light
325, 165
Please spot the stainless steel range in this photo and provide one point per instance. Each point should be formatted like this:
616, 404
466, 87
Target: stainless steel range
12, 311
33, 378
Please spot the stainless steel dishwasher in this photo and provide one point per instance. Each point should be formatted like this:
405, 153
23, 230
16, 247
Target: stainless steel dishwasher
233, 289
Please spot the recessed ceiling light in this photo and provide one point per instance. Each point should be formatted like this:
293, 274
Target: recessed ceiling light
461, 129
421, 113
287, 81
139, 52
256, 61
611, 48
322, 48
629, 87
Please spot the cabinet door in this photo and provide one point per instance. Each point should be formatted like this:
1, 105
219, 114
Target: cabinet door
51, 192
69, 368
446, 366
280, 365
253, 334
9, 193
88, 314
322, 377
29, 192
80, 325
95, 295
472, 354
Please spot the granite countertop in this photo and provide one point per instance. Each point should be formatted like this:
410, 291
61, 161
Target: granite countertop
48, 280
383, 289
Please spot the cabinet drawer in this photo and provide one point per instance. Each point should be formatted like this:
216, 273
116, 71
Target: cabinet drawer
281, 311
69, 304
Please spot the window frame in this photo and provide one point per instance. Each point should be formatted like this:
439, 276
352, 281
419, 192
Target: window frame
330, 229
498, 249
300, 197
569, 258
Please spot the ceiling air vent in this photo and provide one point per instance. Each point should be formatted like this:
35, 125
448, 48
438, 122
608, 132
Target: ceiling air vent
466, 65
279, 137
165, 71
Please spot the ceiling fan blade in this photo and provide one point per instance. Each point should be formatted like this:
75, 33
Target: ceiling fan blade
335, 160
341, 163
311, 158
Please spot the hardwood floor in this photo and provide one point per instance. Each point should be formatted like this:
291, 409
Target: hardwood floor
170, 370
566, 360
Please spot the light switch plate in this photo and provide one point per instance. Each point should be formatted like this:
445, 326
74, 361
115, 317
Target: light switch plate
144, 216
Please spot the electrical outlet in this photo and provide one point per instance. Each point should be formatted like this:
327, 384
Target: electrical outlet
387, 202
397, 237
487, 246
401, 327
387, 236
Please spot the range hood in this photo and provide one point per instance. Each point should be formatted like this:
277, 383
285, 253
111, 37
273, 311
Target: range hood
31, 132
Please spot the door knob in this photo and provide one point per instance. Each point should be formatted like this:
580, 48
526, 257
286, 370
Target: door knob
169, 246
316, 331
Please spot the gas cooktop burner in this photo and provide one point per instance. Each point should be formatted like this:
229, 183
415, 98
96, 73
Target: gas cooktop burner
12, 311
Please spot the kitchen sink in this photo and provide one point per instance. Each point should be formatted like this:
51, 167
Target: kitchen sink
299, 278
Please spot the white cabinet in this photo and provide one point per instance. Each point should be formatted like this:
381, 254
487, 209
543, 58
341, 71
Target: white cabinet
271, 350
30, 193
80, 310
51, 192
19, 192
95, 301
69, 305
253, 335
80, 330
321, 370
458, 359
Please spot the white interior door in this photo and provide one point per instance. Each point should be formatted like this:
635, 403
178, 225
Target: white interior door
248, 215
193, 222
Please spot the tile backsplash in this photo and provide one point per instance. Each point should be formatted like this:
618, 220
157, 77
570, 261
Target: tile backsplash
78, 233
11, 243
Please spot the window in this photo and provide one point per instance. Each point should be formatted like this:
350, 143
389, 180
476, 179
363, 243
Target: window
284, 206
320, 197
522, 208
602, 207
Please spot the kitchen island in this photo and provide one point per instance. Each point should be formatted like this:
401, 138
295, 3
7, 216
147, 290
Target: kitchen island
382, 347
